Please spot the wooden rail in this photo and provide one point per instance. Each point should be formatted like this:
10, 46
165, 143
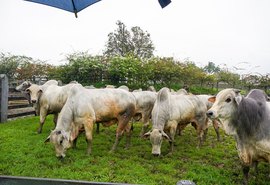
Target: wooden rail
13, 104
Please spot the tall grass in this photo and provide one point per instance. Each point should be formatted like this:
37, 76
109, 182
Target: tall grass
24, 153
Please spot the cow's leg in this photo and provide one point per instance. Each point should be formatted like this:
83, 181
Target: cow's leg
173, 128
178, 129
128, 131
245, 172
145, 120
255, 165
195, 126
199, 132
181, 127
202, 128
216, 126
97, 129
123, 121
74, 135
268, 172
205, 134
55, 119
74, 143
42, 118
203, 124
119, 133
88, 126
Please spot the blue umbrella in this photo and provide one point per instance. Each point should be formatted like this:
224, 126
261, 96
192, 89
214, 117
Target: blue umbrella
164, 3
75, 6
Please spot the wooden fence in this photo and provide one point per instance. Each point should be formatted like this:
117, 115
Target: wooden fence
13, 104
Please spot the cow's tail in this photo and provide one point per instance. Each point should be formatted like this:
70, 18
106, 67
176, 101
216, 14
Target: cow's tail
161, 110
163, 94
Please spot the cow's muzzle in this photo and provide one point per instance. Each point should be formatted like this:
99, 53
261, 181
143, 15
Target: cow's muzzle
210, 114
155, 154
60, 158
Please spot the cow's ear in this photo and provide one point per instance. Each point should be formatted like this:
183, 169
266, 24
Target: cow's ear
147, 135
166, 136
212, 99
238, 99
48, 139
237, 91
27, 90
40, 91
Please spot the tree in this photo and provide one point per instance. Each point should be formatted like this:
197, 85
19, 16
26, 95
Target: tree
83, 68
228, 77
124, 70
192, 74
122, 42
22, 67
162, 72
211, 68
9, 64
265, 82
29, 69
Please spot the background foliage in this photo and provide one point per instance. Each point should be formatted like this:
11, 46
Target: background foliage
131, 71
128, 59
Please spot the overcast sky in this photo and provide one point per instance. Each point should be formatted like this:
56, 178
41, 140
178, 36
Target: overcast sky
230, 33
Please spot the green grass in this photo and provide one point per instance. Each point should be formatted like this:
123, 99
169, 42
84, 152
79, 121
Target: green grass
24, 153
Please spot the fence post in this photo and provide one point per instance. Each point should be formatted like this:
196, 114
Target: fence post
3, 98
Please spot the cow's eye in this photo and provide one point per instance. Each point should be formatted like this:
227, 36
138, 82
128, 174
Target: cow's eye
228, 100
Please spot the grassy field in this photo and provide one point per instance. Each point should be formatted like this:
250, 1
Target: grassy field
24, 153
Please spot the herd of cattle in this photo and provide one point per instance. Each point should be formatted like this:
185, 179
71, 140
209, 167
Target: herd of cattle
75, 107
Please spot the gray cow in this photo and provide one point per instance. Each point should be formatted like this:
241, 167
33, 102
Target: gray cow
248, 120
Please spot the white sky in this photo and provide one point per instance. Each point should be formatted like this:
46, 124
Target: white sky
227, 32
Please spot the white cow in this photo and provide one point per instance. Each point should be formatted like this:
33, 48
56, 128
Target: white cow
169, 111
248, 120
145, 101
24, 85
85, 107
215, 122
209, 104
48, 100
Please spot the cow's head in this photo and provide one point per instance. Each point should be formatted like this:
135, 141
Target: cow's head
156, 137
35, 92
23, 86
224, 108
61, 142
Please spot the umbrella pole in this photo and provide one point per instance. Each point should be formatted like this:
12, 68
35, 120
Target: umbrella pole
74, 8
